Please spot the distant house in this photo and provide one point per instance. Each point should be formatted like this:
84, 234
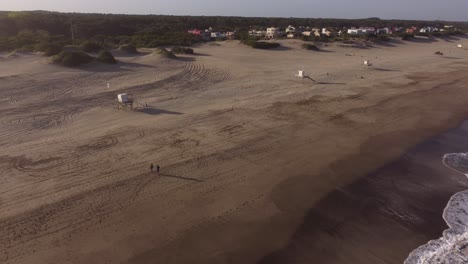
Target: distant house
428, 29
361, 31
309, 33
290, 29
206, 35
355, 31
300, 29
195, 31
410, 30
273, 32
384, 31
291, 35
230, 34
257, 33
217, 35
368, 30
326, 32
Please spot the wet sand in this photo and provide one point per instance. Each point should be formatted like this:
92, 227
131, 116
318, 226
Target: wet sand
384, 216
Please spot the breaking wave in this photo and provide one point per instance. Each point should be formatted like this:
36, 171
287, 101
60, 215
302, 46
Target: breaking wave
452, 247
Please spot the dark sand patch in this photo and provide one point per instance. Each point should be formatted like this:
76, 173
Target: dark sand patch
385, 215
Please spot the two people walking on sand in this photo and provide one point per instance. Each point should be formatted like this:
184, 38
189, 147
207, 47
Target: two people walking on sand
157, 168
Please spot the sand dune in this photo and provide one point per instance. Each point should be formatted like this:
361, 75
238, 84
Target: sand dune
246, 148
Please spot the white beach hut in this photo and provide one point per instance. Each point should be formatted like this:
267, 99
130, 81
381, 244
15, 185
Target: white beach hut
300, 74
123, 98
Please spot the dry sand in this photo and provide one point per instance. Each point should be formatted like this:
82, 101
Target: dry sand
246, 149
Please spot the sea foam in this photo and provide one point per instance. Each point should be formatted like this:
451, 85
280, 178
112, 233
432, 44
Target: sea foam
452, 247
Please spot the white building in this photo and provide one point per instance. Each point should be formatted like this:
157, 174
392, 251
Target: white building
361, 30
326, 32
290, 29
354, 31
273, 32
313, 33
384, 31
217, 35
257, 33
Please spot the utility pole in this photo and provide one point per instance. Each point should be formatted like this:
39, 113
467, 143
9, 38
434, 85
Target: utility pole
72, 34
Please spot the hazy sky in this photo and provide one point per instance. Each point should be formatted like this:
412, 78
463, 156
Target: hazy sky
406, 9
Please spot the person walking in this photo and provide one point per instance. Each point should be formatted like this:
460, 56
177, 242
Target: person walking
151, 167
157, 169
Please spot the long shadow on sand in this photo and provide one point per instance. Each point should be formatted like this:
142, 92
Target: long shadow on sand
118, 67
280, 48
386, 70
201, 54
335, 83
452, 58
155, 111
180, 177
325, 51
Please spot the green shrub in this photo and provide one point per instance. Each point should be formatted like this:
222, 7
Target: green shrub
106, 57
52, 50
265, 45
310, 47
90, 46
165, 53
407, 36
422, 34
383, 38
128, 48
49, 49
72, 58
182, 50
12, 54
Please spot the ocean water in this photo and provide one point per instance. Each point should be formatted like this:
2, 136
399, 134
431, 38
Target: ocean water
452, 247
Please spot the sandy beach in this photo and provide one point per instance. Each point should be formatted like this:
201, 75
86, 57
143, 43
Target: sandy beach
253, 160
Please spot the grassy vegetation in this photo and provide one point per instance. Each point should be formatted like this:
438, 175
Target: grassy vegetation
182, 50
49, 49
52, 49
106, 57
91, 46
256, 44
407, 36
265, 45
165, 53
128, 48
310, 47
72, 58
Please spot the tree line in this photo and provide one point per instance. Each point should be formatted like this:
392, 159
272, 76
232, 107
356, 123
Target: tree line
37, 30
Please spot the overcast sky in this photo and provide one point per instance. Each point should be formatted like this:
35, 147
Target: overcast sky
456, 10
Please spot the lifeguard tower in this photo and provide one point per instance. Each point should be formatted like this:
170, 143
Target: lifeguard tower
124, 101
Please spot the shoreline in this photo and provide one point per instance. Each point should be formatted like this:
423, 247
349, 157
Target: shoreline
384, 216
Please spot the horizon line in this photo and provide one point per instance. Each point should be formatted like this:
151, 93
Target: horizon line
336, 18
